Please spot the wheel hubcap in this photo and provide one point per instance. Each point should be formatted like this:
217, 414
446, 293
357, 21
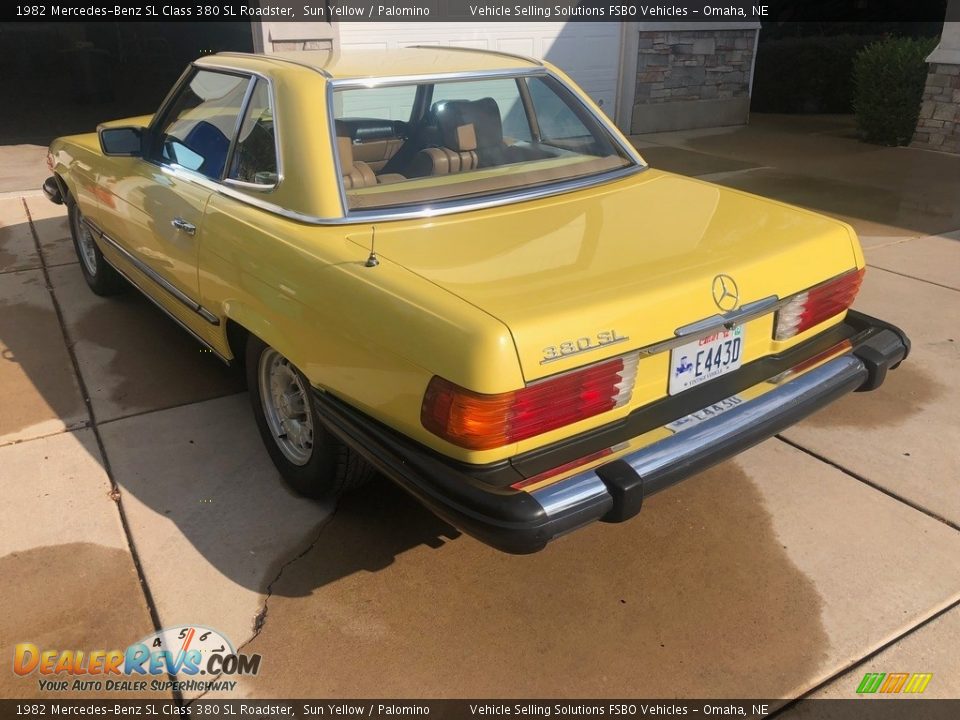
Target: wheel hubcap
286, 407
86, 244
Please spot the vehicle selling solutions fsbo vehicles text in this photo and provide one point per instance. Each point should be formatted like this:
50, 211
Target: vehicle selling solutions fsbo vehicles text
613, 11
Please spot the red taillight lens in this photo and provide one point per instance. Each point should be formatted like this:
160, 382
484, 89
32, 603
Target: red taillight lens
480, 422
819, 303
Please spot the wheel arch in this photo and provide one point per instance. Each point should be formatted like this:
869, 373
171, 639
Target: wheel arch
237, 335
240, 323
65, 190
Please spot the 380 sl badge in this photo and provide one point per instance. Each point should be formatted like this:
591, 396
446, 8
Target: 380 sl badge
581, 345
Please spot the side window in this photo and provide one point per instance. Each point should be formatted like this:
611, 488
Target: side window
504, 91
557, 120
255, 155
197, 128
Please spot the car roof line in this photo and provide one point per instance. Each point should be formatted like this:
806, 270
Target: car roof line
482, 51
275, 59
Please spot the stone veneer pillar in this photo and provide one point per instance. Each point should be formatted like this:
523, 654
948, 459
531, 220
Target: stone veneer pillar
692, 75
938, 127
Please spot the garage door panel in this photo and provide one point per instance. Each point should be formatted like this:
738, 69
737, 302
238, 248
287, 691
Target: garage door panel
518, 46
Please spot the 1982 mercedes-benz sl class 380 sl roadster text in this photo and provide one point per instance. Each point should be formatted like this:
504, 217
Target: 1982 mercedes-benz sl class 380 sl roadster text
450, 267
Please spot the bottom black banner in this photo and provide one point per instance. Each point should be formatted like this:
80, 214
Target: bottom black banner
873, 708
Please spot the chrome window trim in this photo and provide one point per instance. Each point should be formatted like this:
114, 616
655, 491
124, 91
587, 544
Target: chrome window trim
245, 185
228, 188
235, 137
160, 116
168, 99
507, 197
183, 173
209, 183
390, 80
387, 215
494, 199
243, 110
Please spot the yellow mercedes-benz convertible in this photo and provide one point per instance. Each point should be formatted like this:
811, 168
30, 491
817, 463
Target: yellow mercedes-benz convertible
448, 266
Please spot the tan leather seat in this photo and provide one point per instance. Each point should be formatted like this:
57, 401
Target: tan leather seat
484, 115
356, 173
457, 154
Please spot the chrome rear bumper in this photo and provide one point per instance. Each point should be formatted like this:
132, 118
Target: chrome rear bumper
484, 501
615, 491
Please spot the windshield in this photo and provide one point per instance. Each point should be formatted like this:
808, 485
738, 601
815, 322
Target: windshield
418, 144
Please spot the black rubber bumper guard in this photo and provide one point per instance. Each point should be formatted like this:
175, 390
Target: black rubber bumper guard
517, 521
53, 191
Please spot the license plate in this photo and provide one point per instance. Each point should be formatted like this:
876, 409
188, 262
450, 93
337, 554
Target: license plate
702, 360
710, 411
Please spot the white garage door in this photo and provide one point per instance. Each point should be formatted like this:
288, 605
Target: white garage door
588, 52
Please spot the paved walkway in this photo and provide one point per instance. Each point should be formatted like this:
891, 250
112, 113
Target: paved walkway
139, 495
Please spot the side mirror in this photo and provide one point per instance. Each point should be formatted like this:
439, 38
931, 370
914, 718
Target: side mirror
121, 141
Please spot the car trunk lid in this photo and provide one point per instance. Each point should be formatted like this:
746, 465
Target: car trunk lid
617, 267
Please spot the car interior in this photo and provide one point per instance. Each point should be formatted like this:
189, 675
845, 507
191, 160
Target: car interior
455, 139
459, 137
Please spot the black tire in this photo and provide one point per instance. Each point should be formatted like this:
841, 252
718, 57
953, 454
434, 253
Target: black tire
99, 274
332, 468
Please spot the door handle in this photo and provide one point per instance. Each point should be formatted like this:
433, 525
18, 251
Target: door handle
181, 224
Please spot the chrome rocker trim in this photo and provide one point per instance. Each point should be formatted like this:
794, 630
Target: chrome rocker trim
153, 275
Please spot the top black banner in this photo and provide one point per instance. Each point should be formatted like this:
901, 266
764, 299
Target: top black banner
476, 11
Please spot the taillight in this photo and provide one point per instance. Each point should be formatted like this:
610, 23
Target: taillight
480, 422
819, 303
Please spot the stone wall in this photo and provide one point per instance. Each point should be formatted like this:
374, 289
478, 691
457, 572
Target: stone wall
692, 78
939, 125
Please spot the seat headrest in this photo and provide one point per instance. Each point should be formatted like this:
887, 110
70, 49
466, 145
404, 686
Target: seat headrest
483, 114
345, 150
462, 138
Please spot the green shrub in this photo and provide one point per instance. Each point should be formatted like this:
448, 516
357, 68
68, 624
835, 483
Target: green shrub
806, 74
888, 78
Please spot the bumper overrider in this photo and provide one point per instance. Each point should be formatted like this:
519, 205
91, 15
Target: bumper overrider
479, 500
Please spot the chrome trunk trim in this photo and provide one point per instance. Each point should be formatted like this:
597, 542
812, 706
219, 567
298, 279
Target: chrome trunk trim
728, 320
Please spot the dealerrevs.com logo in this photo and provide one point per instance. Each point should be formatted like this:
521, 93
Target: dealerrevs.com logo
189, 651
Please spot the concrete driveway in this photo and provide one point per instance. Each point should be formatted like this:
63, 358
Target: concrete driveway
139, 496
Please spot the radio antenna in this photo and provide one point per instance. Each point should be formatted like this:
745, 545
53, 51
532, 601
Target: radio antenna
372, 261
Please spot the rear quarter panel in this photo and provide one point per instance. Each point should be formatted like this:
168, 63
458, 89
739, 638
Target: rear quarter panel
372, 336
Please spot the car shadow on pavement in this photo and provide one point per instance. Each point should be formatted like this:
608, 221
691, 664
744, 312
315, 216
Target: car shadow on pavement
211, 520
40, 393
665, 605
366, 532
